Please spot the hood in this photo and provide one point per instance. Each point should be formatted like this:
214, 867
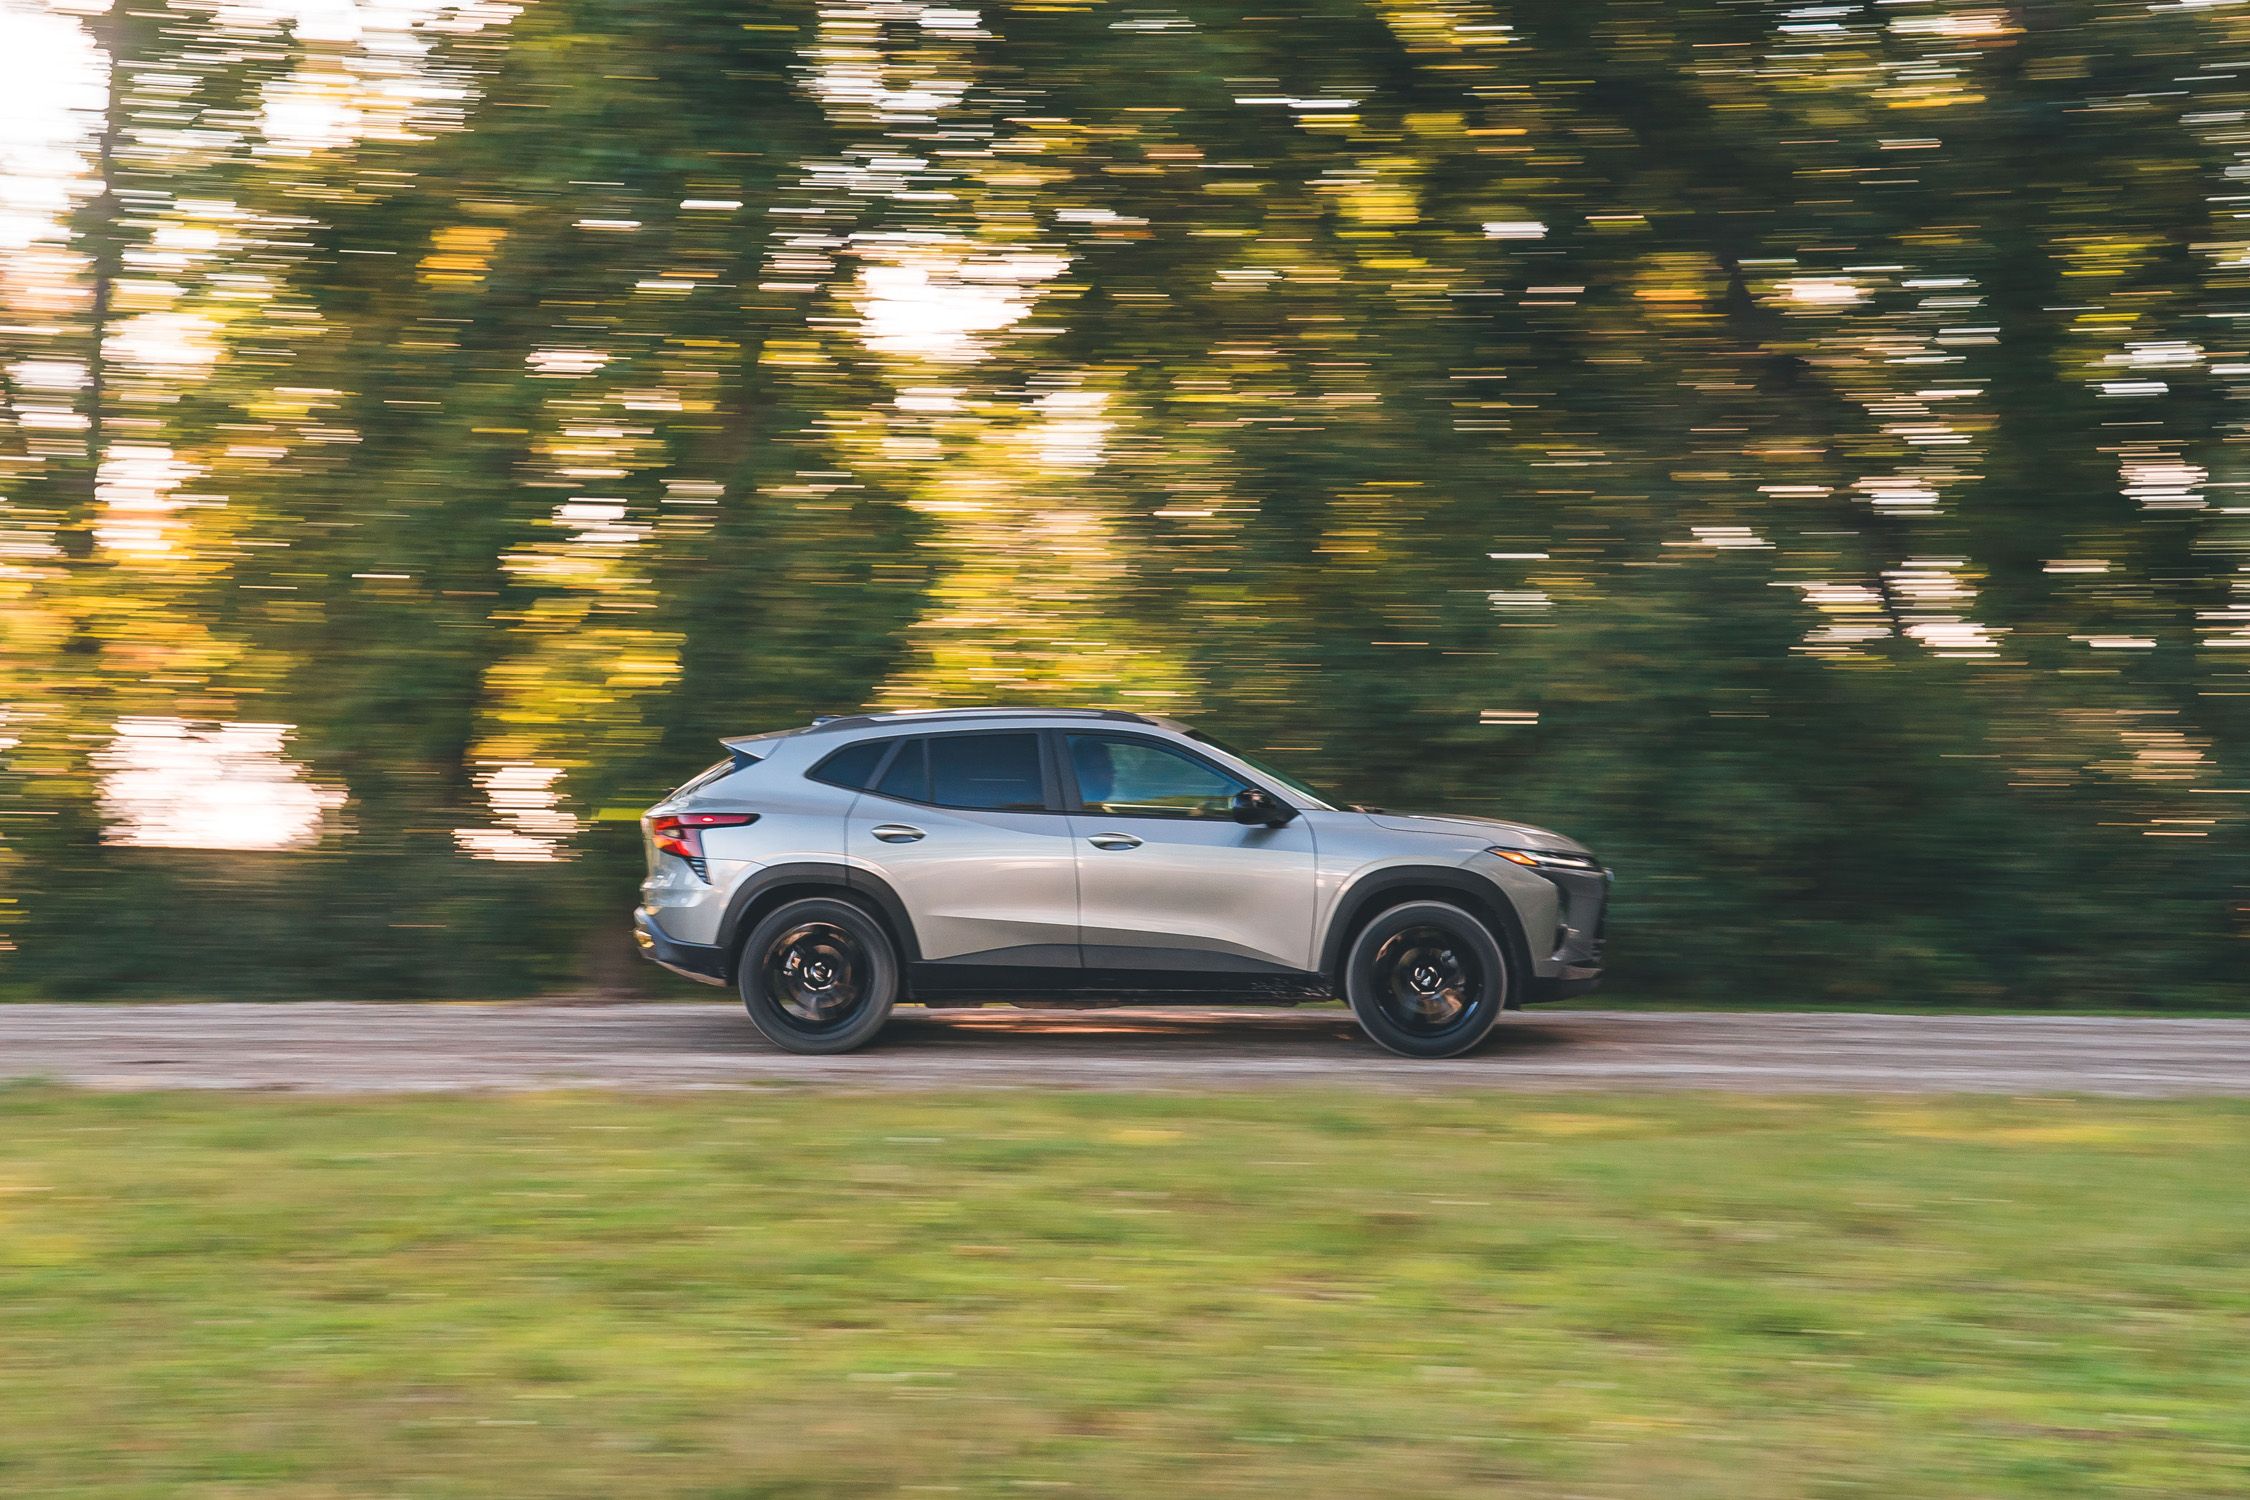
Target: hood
1491, 830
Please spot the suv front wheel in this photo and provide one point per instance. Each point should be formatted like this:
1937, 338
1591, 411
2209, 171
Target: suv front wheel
818, 975
1426, 979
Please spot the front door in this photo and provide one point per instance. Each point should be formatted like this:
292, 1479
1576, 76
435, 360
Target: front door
962, 827
1167, 880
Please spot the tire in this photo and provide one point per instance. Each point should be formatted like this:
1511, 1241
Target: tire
818, 976
1427, 979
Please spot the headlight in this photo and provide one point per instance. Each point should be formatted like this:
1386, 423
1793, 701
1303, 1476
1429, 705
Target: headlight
1546, 859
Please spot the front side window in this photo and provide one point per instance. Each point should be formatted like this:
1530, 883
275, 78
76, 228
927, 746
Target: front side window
988, 772
1139, 778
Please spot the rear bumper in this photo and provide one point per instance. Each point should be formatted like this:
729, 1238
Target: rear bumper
705, 963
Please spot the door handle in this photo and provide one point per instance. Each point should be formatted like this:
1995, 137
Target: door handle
896, 833
1114, 841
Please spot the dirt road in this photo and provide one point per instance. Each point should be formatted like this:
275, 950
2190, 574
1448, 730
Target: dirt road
347, 1048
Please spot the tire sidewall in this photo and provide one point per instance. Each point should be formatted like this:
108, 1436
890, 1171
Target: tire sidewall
786, 1031
1360, 987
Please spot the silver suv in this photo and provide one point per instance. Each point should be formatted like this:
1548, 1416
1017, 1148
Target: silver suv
1058, 855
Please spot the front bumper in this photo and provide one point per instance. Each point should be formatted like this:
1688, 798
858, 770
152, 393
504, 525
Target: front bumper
706, 963
1581, 931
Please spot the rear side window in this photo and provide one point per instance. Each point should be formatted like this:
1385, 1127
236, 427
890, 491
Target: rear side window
853, 766
991, 772
999, 772
909, 776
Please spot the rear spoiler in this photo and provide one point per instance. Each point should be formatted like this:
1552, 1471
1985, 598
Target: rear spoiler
749, 749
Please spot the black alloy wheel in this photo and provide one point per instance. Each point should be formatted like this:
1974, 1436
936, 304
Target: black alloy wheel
1427, 979
1425, 982
818, 975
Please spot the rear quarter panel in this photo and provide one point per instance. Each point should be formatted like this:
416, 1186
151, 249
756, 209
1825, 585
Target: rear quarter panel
798, 821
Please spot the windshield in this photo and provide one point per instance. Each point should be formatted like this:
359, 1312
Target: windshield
1263, 769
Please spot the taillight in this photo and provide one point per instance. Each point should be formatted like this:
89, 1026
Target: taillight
682, 833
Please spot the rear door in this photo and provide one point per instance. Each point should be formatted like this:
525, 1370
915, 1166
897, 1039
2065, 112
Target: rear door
967, 828
1167, 880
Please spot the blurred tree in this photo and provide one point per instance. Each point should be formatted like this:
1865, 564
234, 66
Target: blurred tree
1794, 448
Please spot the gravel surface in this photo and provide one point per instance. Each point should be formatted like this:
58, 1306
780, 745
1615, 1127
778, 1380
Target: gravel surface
361, 1048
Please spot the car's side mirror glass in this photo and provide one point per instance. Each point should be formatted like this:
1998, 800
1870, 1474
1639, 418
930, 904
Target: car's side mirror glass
1252, 805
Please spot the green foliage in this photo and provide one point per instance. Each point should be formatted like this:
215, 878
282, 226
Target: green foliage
1800, 454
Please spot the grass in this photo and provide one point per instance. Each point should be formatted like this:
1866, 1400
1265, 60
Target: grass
770, 1294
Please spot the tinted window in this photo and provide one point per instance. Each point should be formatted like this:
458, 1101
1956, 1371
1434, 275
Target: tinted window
998, 772
853, 766
908, 776
1140, 778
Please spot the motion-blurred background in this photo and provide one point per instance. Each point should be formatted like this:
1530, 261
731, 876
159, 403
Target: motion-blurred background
1798, 449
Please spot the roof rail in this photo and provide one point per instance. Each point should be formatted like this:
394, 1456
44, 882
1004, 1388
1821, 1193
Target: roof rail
928, 715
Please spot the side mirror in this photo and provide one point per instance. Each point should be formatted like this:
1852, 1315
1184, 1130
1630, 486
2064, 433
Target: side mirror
1252, 805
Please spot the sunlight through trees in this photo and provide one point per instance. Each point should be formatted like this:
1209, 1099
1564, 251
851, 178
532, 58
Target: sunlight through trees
1799, 446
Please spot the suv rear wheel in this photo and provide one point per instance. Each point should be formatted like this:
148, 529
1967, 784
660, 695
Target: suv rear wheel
818, 975
1427, 979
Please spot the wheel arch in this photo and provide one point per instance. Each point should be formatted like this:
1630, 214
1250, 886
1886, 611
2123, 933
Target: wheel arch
776, 884
1372, 894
